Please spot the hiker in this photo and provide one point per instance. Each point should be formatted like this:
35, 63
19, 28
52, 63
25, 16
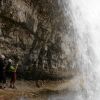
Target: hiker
4, 74
2, 71
9, 63
13, 69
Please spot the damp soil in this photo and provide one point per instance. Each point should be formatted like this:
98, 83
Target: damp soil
39, 90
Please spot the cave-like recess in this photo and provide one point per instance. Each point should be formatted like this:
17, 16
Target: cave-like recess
33, 32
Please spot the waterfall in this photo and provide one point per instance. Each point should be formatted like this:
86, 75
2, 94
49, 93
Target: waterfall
85, 23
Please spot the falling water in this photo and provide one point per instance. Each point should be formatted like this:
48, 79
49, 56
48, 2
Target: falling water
85, 19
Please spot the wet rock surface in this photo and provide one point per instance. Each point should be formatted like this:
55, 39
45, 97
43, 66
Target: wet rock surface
48, 90
70, 89
35, 33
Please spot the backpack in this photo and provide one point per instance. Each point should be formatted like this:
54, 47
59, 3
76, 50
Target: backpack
12, 69
8, 66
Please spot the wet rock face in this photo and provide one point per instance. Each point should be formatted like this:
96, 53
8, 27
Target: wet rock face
34, 31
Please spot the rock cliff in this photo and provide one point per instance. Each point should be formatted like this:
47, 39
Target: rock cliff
37, 33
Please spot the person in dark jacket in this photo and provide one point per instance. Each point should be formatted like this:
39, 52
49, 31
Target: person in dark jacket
8, 67
2, 71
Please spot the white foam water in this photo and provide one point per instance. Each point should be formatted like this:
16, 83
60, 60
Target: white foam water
85, 16
85, 21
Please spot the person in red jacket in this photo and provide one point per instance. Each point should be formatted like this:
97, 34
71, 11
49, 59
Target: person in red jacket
13, 70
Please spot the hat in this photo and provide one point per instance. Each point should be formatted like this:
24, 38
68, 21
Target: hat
10, 60
2, 56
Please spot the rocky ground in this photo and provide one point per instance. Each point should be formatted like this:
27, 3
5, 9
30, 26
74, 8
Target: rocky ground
30, 89
33, 88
